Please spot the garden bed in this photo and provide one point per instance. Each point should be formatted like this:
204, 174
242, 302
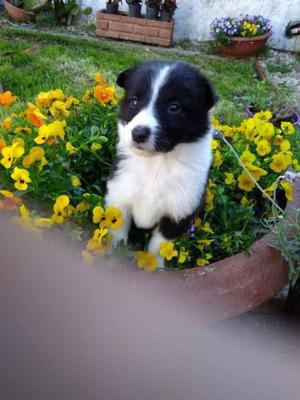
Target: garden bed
142, 30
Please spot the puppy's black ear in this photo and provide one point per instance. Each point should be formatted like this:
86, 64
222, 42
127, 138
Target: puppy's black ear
207, 92
210, 95
124, 76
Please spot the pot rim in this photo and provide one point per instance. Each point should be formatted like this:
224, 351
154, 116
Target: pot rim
29, 13
250, 38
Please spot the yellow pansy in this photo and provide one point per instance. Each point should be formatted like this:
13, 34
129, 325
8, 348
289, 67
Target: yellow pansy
229, 178
56, 128
201, 244
245, 182
255, 171
70, 148
296, 165
209, 199
44, 99
7, 193
270, 189
218, 160
99, 79
215, 144
75, 181
228, 131
207, 228
278, 140
266, 130
245, 202
183, 254
287, 128
2, 144
71, 101
87, 95
112, 218
22, 129
36, 154
82, 206
7, 123
285, 145
248, 127
215, 122
167, 251
96, 146
263, 147
263, 115
10, 153
204, 260
59, 109
146, 261
59, 207
247, 156
99, 234
98, 214
22, 178
288, 189
280, 161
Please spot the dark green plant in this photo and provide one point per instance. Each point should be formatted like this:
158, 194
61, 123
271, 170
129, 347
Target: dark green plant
66, 11
114, 1
156, 4
134, 2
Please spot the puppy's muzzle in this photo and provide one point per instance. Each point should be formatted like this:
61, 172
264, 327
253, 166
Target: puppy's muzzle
140, 134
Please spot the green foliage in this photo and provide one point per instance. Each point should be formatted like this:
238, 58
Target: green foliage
286, 238
67, 11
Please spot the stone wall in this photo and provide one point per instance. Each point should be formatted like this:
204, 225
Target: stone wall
193, 17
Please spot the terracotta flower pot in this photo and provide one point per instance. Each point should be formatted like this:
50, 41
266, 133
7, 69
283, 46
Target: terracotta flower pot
227, 287
244, 46
18, 14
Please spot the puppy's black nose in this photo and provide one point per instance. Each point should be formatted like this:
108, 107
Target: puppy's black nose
140, 134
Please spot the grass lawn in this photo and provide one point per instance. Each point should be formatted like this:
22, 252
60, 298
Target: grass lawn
32, 62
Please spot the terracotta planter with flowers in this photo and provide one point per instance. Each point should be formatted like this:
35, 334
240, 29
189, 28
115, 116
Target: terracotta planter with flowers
242, 47
228, 287
18, 14
241, 37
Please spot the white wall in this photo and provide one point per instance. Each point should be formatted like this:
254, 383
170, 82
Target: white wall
193, 17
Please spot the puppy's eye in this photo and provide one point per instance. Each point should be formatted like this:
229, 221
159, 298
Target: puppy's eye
133, 102
174, 108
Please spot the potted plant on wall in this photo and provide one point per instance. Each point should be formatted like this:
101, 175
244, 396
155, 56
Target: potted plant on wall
112, 6
240, 37
168, 9
152, 9
135, 7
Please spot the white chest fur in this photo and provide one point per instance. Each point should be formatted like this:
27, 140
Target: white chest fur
166, 184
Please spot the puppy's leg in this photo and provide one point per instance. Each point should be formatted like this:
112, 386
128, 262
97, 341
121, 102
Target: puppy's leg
165, 231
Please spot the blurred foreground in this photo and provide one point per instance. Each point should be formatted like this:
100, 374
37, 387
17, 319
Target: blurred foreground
69, 331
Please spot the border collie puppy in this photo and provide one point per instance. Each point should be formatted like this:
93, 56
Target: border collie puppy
164, 149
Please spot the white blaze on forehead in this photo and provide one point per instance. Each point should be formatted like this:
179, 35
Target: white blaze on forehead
147, 117
158, 82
